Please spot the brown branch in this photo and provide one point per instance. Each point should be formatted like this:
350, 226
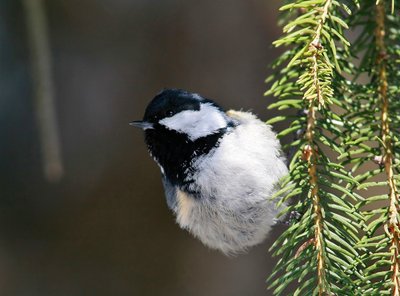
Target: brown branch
312, 151
393, 223
312, 171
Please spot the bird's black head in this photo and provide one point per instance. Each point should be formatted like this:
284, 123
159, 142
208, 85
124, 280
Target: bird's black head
179, 126
170, 102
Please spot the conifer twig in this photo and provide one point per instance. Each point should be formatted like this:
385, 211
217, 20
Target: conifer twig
317, 250
393, 223
312, 160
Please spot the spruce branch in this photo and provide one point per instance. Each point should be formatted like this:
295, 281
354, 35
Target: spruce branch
371, 136
347, 143
317, 251
387, 159
312, 158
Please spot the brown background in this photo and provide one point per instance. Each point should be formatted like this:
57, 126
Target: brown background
105, 229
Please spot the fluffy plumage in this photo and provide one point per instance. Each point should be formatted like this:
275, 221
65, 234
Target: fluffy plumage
238, 177
219, 169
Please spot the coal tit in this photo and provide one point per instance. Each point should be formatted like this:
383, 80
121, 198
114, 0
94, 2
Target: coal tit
219, 169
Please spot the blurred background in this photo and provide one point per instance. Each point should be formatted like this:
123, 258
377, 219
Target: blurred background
102, 226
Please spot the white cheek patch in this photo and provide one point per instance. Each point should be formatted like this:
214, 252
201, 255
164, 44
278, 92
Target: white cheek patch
196, 124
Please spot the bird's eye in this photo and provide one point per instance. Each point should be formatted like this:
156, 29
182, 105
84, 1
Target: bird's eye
170, 113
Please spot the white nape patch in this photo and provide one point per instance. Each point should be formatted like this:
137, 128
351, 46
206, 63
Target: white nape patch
197, 124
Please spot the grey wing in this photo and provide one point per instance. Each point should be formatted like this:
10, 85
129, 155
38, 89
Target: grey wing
170, 193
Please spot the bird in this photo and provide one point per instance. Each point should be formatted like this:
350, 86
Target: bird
219, 169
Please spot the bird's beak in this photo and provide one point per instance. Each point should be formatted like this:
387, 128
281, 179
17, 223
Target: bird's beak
141, 124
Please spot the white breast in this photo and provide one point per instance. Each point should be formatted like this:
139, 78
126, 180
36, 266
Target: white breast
247, 159
234, 211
